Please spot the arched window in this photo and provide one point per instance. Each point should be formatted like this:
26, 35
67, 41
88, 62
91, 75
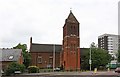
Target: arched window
71, 29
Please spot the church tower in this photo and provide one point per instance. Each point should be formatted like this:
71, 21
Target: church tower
71, 44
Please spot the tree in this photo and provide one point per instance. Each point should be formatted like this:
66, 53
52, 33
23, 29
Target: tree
100, 57
84, 58
25, 53
14, 66
93, 45
118, 55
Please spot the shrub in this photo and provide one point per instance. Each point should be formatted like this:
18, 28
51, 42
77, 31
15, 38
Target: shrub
12, 67
102, 68
33, 69
9, 71
22, 68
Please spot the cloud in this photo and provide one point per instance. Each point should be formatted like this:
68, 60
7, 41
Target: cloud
44, 19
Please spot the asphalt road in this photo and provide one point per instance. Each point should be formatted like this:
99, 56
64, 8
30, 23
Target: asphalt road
71, 74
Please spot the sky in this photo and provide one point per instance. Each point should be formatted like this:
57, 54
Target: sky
43, 20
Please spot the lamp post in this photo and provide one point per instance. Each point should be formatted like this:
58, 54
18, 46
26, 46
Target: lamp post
90, 61
53, 57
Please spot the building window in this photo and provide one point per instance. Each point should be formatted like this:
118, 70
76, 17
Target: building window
50, 60
75, 30
74, 47
71, 47
39, 59
71, 30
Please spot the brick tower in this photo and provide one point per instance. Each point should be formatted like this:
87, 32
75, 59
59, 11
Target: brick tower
70, 56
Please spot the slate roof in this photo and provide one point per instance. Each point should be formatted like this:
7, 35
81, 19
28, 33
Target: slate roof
10, 54
83, 51
72, 18
45, 47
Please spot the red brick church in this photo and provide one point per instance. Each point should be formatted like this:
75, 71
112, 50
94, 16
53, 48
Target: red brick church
66, 55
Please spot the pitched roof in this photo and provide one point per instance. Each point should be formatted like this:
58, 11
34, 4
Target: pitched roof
10, 54
45, 47
83, 51
71, 18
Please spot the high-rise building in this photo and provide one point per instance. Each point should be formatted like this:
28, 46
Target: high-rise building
119, 21
119, 18
109, 42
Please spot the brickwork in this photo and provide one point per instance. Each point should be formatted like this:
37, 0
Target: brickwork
46, 59
70, 55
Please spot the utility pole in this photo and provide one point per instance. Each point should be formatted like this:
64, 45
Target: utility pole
90, 61
53, 57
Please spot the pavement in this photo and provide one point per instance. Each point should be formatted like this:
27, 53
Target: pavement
76, 73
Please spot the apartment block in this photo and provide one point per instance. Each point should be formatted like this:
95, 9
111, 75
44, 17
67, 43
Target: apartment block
109, 42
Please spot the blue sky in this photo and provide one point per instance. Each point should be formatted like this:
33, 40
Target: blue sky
43, 20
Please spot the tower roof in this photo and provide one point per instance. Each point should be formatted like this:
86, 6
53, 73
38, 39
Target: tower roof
71, 18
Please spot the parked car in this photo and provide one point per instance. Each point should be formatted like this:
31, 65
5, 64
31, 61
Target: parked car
57, 69
117, 70
2, 71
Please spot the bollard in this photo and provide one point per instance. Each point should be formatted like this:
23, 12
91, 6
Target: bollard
108, 69
95, 70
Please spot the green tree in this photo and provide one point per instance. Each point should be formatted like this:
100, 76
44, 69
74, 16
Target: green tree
25, 53
14, 66
118, 55
84, 58
93, 45
100, 57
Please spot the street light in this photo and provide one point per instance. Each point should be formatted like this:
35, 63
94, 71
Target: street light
90, 61
53, 57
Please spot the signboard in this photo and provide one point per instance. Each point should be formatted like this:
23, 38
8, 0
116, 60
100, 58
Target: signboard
90, 61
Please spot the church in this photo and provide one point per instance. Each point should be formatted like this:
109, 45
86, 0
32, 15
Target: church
66, 55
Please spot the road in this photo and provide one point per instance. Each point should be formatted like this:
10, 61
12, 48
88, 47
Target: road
71, 74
